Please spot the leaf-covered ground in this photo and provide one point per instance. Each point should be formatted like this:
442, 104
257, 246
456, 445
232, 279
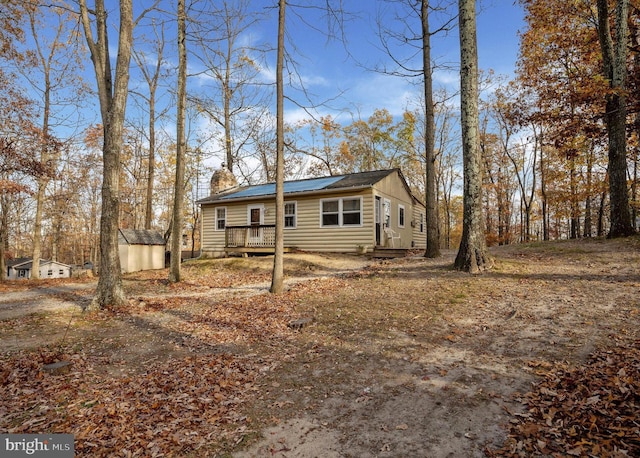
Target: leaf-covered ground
587, 410
401, 358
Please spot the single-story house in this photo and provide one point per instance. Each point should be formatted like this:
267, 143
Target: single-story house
22, 268
141, 249
356, 212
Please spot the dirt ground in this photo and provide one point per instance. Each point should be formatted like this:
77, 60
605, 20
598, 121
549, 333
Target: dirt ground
398, 358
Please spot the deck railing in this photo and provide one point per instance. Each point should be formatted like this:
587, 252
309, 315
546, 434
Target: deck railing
256, 236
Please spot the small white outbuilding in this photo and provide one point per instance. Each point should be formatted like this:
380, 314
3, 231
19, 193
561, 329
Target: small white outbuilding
141, 249
22, 268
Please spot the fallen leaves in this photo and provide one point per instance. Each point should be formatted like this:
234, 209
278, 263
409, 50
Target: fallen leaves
591, 410
189, 400
173, 407
174, 373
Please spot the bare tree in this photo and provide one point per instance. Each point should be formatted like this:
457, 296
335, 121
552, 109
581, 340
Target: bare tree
334, 15
421, 10
433, 243
151, 75
55, 58
277, 277
472, 255
178, 193
233, 104
447, 166
112, 92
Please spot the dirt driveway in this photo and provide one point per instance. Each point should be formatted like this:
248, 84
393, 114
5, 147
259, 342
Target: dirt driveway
401, 358
438, 371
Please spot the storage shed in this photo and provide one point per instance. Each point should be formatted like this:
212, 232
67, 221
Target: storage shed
141, 249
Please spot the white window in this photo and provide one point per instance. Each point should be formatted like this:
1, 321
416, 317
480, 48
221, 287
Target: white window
346, 211
221, 218
400, 215
290, 215
49, 273
421, 222
330, 212
351, 212
61, 272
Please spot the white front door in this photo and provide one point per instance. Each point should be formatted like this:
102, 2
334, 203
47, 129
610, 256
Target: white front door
255, 218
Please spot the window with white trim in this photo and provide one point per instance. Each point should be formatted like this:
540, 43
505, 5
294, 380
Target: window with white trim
290, 215
401, 215
221, 218
421, 222
345, 211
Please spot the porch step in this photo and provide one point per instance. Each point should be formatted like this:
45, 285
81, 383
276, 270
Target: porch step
380, 252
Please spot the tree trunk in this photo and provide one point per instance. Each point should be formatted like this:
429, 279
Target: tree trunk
151, 166
634, 188
152, 82
587, 232
226, 87
37, 228
277, 278
575, 209
178, 194
43, 180
4, 235
433, 239
601, 212
472, 255
113, 100
614, 63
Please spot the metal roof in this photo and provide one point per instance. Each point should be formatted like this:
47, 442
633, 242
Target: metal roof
309, 185
289, 186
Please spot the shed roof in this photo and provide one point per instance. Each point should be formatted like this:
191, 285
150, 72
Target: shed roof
17, 261
27, 263
331, 183
141, 237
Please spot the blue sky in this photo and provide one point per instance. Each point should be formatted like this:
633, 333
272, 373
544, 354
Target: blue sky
331, 68
342, 72
330, 71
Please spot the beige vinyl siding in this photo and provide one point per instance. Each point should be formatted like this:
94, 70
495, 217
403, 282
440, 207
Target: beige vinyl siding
212, 239
419, 238
391, 188
309, 234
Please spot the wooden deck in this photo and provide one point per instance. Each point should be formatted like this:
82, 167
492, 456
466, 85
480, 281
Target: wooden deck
256, 239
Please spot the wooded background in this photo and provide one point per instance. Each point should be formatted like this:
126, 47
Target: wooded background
543, 130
